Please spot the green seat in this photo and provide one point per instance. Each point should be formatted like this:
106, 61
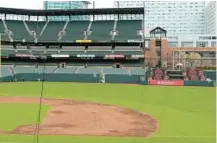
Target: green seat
2, 29
71, 52
4, 37
5, 71
52, 30
66, 70
127, 30
23, 51
101, 30
114, 71
100, 53
37, 52
48, 69
22, 69
88, 70
52, 52
36, 26
8, 52
137, 71
19, 30
75, 30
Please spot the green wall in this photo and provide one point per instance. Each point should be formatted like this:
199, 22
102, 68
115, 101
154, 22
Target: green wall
92, 78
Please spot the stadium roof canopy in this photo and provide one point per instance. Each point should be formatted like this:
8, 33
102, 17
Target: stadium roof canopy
71, 12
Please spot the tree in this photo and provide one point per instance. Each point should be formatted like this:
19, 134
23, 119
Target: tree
193, 58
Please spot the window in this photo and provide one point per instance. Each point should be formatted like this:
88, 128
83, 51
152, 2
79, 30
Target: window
187, 44
202, 44
213, 44
173, 44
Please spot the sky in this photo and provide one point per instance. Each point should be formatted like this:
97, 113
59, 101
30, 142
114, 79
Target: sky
38, 4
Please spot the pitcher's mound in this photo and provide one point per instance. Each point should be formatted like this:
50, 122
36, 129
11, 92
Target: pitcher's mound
85, 118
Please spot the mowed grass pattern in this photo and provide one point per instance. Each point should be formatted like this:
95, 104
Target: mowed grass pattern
185, 114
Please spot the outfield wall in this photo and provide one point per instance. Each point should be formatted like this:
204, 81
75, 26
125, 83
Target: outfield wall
95, 78
210, 74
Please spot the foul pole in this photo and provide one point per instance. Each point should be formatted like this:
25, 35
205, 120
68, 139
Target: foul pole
0, 55
143, 33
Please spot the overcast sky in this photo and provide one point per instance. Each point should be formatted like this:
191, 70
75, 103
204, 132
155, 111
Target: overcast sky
38, 4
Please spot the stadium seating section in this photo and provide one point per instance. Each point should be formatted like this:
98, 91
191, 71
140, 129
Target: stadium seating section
2, 30
19, 30
66, 70
23, 69
9, 70
46, 69
72, 30
7, 52
51, 31
75, 30
5, 71
36, 26
137, 71
128, 28
114, 71
101, 30
88, 70
69, 31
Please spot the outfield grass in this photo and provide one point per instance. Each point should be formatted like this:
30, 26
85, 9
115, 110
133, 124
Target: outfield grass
185, 114
13, 115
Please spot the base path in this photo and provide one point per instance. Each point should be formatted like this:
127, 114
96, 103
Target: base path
67, 117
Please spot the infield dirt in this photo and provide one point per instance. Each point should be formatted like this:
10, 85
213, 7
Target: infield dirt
68, 117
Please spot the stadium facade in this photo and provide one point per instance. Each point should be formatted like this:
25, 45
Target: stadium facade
192, 41
177, 17
52, 5
211, 17
102, 41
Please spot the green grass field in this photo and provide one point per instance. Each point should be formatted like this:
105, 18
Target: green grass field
13, 115
185, 114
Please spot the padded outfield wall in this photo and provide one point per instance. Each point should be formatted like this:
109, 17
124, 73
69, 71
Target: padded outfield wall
96, 78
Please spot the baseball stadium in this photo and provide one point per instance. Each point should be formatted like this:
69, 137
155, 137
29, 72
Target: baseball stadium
96, 78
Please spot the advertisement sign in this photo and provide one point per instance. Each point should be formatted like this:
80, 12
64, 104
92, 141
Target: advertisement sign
114, 56
83, 41
59, 56
166, 82
137, 56
85, 56
23, 55
134, 41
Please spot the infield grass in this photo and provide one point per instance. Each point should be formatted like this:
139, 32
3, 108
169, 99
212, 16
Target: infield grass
185, 114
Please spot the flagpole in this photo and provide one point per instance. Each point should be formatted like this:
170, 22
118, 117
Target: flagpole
173, 53
179, 56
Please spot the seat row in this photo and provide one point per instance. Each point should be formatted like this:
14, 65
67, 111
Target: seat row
69, 31
7, 71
